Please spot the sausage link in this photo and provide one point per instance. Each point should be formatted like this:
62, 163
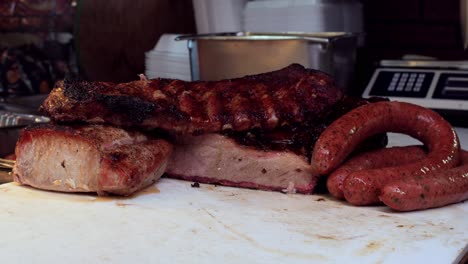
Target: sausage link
434, 190
343, 135
381, 158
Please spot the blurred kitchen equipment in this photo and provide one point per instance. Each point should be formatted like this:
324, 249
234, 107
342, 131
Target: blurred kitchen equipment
24, 104
212, 16
6, 164
15, 108
230, 55
303, 16
439, 85
13, 119
216, 16
464, 22
168, 59
5, 170
11, 124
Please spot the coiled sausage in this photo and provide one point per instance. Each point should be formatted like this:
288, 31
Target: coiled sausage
421, 192
343, 135
381, 158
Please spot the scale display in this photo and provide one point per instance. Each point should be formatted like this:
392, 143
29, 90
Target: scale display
452, 86
406, 84
436, 89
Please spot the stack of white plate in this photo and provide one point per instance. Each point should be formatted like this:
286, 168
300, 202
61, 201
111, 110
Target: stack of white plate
168, 59
303, 16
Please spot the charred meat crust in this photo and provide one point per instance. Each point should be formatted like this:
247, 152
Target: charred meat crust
301, 138
131, 107
292, 95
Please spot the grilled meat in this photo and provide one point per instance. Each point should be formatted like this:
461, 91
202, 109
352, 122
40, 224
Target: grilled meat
274, 160
256, 131
300, 138
214, 158
91, 158
293, 95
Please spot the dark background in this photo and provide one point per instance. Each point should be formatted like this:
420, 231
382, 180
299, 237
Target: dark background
393, 28
111, 37
398, 27
114, 35
428, 27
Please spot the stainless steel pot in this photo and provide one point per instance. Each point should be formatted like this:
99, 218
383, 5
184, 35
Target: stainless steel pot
231, 55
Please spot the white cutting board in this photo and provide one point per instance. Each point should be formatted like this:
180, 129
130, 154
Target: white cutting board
171, 222
181, 224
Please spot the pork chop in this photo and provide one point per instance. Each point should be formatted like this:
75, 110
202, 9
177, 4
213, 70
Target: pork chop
91, 158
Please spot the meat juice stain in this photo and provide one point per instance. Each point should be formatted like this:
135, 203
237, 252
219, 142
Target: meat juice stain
260, 246
85, 198
105, 199
146, 191
371, 247
122, 204
327, 237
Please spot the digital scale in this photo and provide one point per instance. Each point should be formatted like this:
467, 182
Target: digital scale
439, 85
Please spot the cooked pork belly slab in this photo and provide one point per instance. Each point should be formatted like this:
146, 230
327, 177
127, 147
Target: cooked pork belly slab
217, 159
89, 158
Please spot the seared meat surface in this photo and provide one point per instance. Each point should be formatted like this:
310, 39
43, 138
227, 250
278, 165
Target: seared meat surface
92, 158
293, 95
301, 138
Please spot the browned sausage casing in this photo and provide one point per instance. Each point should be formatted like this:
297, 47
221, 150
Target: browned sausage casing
421, 192
381, 158
343, 135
